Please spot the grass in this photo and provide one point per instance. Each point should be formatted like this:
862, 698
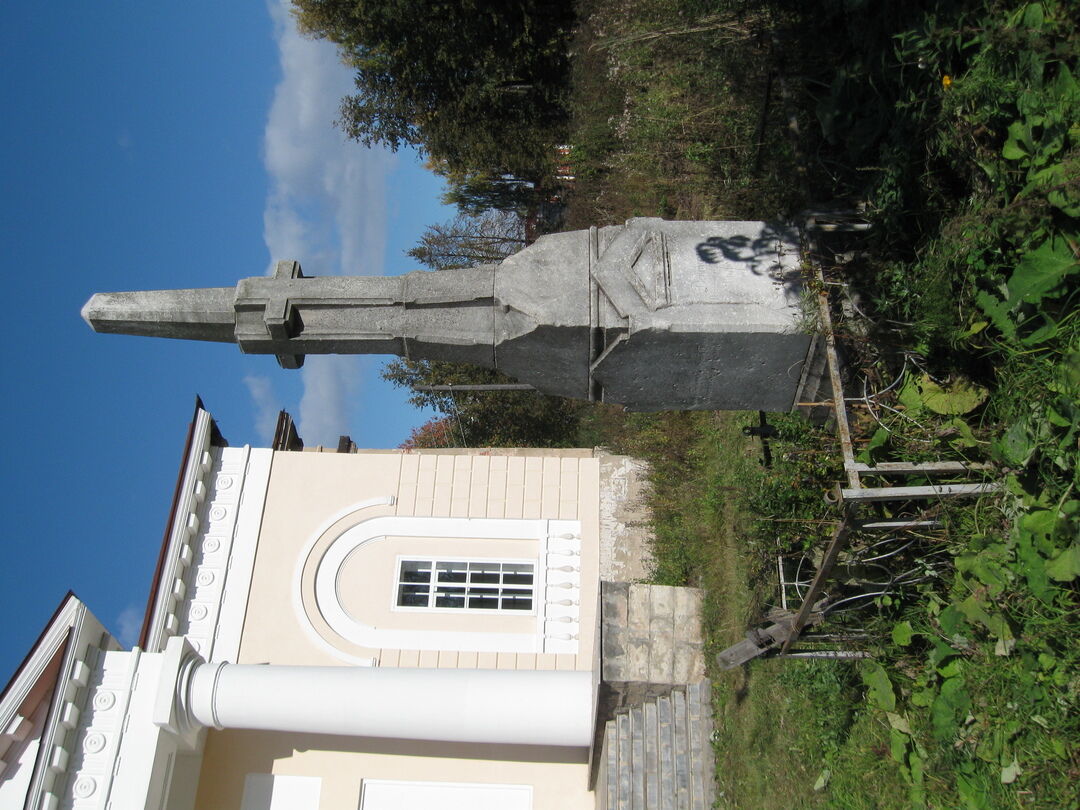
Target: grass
675, 113
720, 518
797, 719
957, 125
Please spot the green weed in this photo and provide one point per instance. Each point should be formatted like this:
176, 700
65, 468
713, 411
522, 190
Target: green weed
957, 122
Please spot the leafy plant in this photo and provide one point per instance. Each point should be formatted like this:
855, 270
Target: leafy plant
955, 122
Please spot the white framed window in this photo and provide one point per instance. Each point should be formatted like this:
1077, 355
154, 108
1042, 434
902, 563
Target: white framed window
265, 791
469, 585
388, 794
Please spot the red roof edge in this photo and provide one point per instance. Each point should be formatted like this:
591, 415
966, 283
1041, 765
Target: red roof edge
41, 636
57, 697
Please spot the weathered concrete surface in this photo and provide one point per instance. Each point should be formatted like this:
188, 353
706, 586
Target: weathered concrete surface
650, 315
650, 638
650, 648
658, 755
625, 553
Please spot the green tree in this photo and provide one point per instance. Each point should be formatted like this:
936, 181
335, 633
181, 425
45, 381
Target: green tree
474, 192
487, 418
469, 240
470, 83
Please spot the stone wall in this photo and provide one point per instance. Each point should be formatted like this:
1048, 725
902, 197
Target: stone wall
625, 534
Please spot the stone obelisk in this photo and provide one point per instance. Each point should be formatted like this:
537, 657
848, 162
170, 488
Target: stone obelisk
651, 315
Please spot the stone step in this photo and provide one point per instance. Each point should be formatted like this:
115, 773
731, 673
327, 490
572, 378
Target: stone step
607, 785
651, 762
665, 726
651, 634
701, 758
658, 756
638, 769
625, 767
682, 750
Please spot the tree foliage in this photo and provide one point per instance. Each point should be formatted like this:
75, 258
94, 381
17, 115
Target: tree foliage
474, 84
474, 192
469, 240
433, 434
488, 418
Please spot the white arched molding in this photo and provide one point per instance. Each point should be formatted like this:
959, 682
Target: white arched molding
297, 592
557, 584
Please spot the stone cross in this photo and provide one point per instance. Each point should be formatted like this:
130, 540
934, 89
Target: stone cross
651, 315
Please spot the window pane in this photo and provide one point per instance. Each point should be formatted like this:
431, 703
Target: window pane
413, 596
448, 589
415, 571
452, 572
484, 572
517, 599
484, 599
450, 598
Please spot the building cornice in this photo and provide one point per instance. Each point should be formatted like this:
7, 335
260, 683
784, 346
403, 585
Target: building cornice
32, 666
182, 527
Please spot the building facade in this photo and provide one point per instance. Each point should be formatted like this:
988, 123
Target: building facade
331, 630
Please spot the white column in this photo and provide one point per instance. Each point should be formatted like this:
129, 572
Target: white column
452, 705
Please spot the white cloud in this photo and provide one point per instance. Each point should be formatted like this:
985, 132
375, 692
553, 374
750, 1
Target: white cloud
266, 406
327, 202
328, 194
128, 625
330, 385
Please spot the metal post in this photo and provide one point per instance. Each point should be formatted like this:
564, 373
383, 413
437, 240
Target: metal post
487, 387
914, 493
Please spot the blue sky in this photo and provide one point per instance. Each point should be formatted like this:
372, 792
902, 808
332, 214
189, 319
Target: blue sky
162, 145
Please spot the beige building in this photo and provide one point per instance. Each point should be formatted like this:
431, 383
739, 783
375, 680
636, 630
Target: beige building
363, 630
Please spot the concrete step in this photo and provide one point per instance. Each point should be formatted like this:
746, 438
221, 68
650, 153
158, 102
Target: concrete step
651, 762
658, 756
699, 709
607, 784
651, 634
624, 746
682, 750
665, 724
638, 769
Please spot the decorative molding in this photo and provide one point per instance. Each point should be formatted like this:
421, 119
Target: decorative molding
47, 646
559, 613
232, 606
297, 594
184, 528
57, 745
95, 742
560, 537
198, 608
217, 520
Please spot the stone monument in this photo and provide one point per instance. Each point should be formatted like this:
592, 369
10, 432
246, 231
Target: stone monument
651, 315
